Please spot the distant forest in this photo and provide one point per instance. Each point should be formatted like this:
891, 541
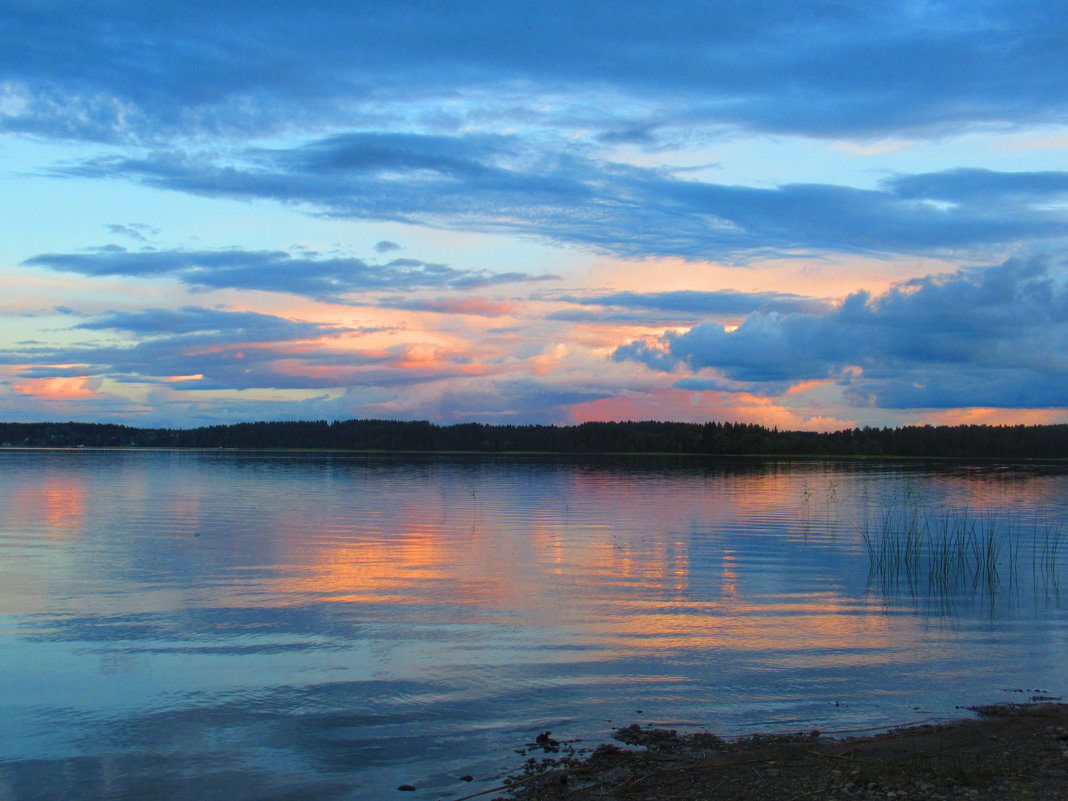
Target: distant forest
1010, 442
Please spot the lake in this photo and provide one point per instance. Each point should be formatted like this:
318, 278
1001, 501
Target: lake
221, 625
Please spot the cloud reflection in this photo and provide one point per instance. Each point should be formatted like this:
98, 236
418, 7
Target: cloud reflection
314, 607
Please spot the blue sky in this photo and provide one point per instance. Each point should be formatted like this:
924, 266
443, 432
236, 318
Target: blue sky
810, 215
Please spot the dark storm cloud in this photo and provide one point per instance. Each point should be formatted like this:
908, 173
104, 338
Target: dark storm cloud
994, 337
318, 277
493, 184
96, 70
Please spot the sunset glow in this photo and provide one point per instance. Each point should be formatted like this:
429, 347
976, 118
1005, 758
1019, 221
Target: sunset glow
545, 214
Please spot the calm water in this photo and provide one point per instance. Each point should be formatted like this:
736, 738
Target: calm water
252, 626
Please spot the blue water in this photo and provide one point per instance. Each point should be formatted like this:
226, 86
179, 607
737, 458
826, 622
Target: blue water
216, 625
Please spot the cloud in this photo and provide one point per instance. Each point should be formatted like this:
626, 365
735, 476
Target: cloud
713, 385
642, 135
591, 317
520, 400
210, 322
539, 123
994, 337
703, 405
496, 184
727, 302
59, 388
981, 187
481, 307
189, 362
955, 388
318, 277
677, 307
214, 349
116, 72
134, 231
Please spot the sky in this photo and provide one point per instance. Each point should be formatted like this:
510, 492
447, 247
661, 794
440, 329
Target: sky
807, 214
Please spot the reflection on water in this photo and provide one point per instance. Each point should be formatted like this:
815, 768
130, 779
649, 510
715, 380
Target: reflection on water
220, 626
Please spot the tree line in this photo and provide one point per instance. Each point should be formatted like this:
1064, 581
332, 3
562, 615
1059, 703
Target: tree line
1010, 442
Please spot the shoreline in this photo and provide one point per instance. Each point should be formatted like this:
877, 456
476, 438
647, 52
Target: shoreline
688, 455
1009, 752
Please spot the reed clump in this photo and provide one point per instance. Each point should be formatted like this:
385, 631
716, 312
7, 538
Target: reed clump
955, 552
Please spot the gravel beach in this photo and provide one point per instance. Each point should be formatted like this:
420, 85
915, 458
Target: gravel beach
1008, 753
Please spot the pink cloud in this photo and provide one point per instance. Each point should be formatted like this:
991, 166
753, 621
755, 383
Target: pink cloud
700, 407
995, 417
65, 388
480, 307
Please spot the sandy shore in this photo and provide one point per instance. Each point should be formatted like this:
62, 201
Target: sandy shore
1007, 753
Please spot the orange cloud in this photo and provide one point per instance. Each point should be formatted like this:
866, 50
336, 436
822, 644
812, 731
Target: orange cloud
804, 386
699, 407
995, 417
476, 306
421, 357
608, 338
544, 363
829, 276
65, 388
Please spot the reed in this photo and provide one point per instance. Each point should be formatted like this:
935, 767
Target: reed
1045, 555
954, 553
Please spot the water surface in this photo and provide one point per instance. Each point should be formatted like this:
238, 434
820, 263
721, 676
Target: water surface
215, 625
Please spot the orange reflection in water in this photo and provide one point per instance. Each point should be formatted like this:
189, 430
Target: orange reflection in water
598, 588
55, 503
730, 577
336, 566
38, 517
820, 625
183, 514
454, 554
